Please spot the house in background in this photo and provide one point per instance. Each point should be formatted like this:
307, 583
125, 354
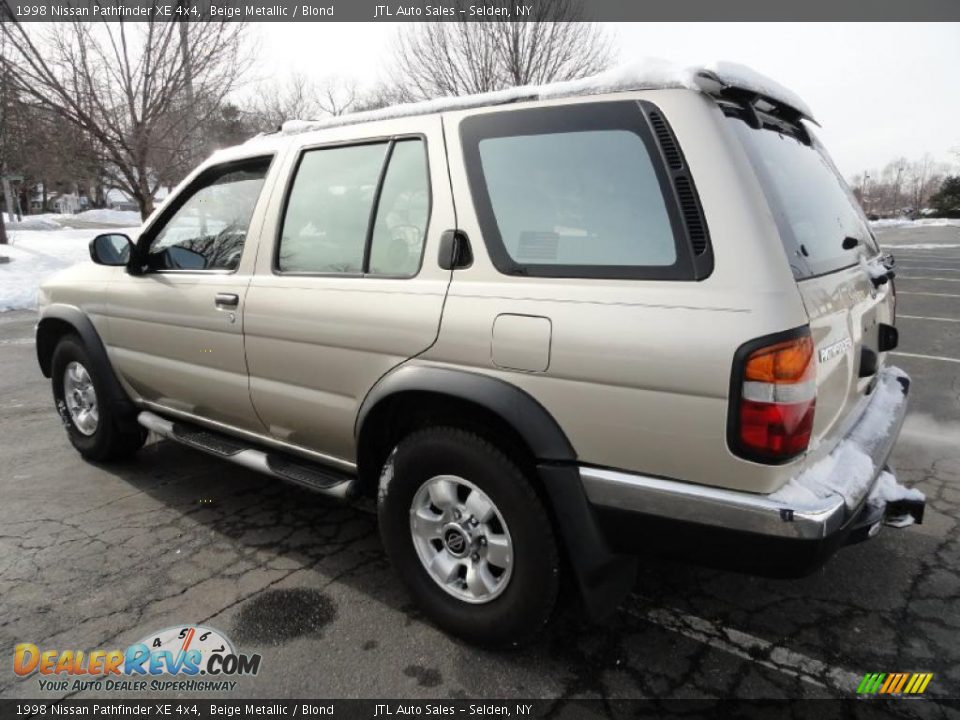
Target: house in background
58, 202
119, 200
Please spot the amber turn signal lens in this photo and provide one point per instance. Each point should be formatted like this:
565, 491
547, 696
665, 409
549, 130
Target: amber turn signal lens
785, 362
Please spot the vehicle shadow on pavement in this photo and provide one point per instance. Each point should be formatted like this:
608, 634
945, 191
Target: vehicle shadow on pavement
684, 631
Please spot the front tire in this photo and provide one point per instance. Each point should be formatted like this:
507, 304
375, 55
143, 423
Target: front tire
92, 423
469, 537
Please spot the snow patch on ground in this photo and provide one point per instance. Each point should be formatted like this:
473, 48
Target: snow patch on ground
36, 254
849, 469
124, 218
921, 246
925, 429
642, 74
906, 222
35, 222
51, 221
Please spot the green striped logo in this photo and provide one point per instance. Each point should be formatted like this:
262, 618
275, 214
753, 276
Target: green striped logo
894, 683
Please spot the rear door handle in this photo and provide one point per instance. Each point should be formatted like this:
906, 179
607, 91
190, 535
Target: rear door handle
227, 300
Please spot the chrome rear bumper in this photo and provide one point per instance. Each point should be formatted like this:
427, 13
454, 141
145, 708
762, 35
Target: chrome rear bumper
751, 512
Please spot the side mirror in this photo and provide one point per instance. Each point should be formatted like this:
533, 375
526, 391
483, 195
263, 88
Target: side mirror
176, 257
111, 249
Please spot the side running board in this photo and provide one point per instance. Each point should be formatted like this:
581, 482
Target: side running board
318, 478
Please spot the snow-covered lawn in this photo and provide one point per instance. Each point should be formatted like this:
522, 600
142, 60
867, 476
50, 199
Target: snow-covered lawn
51, 221
35, 254
125, 218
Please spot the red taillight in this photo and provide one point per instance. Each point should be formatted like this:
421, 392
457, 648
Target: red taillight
777, 383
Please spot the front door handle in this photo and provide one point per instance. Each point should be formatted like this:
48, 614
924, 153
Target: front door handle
227, 300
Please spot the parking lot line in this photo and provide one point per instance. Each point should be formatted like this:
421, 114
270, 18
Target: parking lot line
919, 254
927, 258
925, 317
927, 357
925, 267
749, 647
920, 277
909, 292
920, 246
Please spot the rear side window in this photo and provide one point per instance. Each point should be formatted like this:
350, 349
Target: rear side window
325, 225
581, 198
811, 204
574, 191
402, 212
357, 209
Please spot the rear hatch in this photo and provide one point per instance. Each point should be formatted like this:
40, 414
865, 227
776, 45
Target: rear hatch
833, 256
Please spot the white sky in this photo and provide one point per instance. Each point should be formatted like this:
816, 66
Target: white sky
879, 90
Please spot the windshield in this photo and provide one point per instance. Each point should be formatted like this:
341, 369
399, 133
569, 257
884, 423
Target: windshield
813, 208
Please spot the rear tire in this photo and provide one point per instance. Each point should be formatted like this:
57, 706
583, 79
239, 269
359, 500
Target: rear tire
80, 392
502, 588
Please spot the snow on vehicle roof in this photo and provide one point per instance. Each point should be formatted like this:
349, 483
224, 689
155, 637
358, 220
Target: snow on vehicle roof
645, 74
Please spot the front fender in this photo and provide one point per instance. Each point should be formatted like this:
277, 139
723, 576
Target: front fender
60, 319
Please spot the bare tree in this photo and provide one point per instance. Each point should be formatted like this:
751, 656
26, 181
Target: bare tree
276, 102
903, 187
923, 178
381, 95
299, 98
126, 85
460, 57
891, 191
551, 44
444, 58
337, 95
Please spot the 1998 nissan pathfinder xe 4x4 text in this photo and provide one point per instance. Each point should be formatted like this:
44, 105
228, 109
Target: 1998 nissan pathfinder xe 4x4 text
547, 330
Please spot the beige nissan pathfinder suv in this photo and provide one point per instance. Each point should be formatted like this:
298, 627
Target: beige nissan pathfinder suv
546, 331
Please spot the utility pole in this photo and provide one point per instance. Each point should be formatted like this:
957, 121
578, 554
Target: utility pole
3, 147
187, 63
188, 81
192, 127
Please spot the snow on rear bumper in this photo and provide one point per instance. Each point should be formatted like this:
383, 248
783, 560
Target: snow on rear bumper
851, 471
821, 501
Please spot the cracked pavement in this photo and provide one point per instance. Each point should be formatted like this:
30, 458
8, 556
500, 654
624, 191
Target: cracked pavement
100, 556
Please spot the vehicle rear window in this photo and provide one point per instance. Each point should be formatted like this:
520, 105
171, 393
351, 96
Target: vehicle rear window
572, 191
812, 205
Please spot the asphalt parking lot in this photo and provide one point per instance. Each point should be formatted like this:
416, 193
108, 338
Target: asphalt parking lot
98, 557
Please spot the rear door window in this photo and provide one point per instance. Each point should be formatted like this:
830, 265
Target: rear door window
573, 191
402, 212
357, 210
325, 224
